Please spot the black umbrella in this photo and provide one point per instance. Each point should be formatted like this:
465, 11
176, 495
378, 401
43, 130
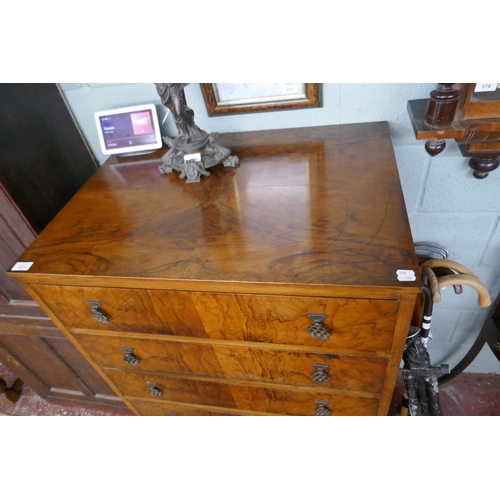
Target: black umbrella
420, 377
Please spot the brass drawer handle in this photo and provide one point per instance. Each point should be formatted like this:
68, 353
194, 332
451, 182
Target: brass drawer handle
130, 358
154, 390
322, 410
97, 311
320, 375
317, 329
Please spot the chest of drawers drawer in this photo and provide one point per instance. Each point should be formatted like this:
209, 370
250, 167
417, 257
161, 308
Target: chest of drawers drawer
150, 408
262, 398
251, 362
360, 325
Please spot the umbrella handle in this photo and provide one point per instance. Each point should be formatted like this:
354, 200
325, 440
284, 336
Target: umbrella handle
450, 264
431, 280
471, 280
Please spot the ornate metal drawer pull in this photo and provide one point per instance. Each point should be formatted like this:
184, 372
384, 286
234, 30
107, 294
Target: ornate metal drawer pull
322, 410
320, 375
317, 329
154, 390
130, 358
97, 311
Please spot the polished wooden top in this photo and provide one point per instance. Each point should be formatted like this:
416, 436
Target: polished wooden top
306, 206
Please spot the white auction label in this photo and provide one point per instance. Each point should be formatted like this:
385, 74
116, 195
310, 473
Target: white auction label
406, 275
21, 266
192, 157
485, 87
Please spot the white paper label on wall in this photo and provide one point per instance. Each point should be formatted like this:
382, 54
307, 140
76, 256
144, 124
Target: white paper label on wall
192, 157
21, 266
485, 87
406, 275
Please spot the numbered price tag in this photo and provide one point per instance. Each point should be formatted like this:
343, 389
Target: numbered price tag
406, 275
192, 158
21, 266
485, 87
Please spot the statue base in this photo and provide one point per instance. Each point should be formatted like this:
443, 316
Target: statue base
193, 157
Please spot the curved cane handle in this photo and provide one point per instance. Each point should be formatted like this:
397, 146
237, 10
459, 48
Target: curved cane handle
430, 279
484, 299
450, 264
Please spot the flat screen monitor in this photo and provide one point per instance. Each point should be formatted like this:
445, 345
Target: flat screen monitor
131, 130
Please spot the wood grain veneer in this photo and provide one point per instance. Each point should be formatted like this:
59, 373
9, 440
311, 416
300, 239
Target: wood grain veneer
212, 283
355, 323
273, 399
241, 362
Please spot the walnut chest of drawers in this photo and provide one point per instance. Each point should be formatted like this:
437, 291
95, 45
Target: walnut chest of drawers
272, 288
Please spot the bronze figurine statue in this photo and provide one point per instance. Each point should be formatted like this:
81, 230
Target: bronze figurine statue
173, 97
193, 150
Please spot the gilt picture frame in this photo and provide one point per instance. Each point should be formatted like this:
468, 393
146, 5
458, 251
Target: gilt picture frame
232, 98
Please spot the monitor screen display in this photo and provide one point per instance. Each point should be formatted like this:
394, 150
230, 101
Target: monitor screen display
129, 130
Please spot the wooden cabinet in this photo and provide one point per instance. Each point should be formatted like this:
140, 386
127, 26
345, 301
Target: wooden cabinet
43, 163
284, 286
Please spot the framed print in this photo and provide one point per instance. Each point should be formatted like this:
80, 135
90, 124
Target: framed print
230, 98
